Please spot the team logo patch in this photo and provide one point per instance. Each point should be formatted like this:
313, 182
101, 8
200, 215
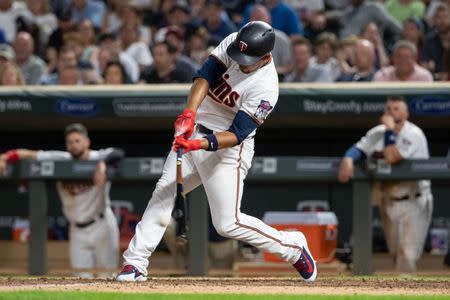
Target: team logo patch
263, 110
242, 46
406, 142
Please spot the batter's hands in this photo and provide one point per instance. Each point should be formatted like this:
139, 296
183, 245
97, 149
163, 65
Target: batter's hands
346, 170
388, 121
100, 174
184, 125
187, 145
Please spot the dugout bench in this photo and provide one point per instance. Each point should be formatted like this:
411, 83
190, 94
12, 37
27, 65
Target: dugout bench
264, 170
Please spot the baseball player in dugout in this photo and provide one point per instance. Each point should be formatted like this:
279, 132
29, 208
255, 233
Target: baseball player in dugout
405, 206
93, 233
231, 95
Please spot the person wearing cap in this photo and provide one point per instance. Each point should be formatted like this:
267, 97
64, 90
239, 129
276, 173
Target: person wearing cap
232, 94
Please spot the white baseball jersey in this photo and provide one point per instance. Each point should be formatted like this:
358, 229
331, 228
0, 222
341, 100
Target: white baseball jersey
405, 206
82, 201
411, 143
96, 245
255, 93
221, 172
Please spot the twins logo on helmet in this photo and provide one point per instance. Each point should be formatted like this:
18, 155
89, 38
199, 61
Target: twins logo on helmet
242, 46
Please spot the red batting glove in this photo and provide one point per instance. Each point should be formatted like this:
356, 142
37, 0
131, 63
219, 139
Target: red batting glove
184, 125
187, 145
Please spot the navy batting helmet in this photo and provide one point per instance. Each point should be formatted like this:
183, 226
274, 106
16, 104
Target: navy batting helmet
252, 42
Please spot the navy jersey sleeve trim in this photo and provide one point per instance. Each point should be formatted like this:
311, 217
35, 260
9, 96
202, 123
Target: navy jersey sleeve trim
242, 125
355, 153
211, 70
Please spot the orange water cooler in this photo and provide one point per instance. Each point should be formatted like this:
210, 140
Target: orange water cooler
320, 228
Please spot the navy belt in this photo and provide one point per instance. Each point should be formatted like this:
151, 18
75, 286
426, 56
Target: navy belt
204, 130
88, 223
406, 197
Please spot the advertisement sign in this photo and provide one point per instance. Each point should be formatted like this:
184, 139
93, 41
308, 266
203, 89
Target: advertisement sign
77, 107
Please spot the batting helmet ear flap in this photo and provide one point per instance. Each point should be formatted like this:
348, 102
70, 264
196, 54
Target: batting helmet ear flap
252, 42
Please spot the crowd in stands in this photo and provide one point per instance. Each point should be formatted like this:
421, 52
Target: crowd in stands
72, 42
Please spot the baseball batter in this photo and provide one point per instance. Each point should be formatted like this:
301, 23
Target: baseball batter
93, 233
405, 206
232, 94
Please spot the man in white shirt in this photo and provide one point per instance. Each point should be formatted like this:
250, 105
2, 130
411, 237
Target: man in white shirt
93, 233
405, 206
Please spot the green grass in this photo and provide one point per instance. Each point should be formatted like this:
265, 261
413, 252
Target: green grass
33, 295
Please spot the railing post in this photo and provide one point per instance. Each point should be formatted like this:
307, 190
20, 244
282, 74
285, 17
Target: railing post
198, 233
37, 255
362, 228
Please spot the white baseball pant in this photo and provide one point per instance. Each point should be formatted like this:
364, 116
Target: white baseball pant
222, 174
95, 246
405, 226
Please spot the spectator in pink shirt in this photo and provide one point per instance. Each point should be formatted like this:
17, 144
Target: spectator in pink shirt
404, 66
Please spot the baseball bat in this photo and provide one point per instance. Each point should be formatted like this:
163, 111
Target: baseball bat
179, 210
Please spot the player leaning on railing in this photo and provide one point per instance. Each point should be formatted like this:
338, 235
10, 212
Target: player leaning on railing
94, 233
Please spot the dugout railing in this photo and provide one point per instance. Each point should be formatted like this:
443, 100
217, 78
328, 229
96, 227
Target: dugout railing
264, 170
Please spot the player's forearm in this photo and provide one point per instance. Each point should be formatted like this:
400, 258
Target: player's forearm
225, 139
26, 154
21, 154
198, 92
391, 154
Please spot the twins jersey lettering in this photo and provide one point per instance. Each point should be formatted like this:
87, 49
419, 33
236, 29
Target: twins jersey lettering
256, 93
